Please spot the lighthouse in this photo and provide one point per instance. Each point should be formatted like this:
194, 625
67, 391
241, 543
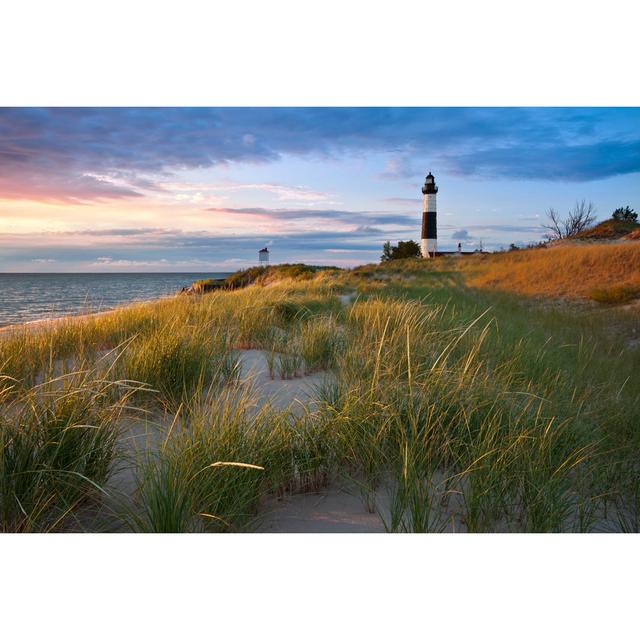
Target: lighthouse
429, 238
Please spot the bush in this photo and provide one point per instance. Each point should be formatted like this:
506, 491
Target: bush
625, 213
615, 295
578, 220
408, 249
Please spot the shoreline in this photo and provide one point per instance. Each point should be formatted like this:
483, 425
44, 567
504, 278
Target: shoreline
84, 310
41, 323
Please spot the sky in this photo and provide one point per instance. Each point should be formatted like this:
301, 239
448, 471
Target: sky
203, 189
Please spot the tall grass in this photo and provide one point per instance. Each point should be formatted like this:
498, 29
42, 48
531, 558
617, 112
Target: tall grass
219, 462
175, 361
573, 271
454, 438
57, 448
447, 407
321, 340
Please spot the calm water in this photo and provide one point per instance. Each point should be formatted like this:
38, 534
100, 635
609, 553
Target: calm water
33, 296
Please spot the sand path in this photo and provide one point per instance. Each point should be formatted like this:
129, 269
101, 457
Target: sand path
296, 393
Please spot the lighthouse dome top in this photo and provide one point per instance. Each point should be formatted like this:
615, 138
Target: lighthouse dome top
430, 184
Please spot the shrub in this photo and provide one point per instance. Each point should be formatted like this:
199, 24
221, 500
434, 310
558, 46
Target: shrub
408, 249
579, 219
625, 213
615, 294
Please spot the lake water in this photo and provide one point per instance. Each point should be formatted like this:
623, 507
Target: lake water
25, 297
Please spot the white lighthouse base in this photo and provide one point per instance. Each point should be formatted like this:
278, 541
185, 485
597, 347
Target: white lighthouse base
428, 247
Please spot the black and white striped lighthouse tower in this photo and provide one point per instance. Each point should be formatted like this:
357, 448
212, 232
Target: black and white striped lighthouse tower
429, 238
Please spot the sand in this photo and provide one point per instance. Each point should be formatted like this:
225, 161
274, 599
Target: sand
334, 510
296, 393
347, 298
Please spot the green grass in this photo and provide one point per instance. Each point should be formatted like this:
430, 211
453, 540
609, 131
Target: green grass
320, 342
175, 361
289, 364
57, 449
447, 407
222, 459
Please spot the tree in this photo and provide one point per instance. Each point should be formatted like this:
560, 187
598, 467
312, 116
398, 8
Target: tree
387, 252
408, 249
625, 214
581, 217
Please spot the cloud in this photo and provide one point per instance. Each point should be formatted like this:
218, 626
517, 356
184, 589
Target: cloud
576, 163
108, 261
352, 251
167, 249
398, 168
283, 192
361, 219
488, 228
58, 185
404, 202
356, 231
87, 242
90, 154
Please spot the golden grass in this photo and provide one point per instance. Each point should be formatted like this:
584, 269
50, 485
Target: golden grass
572, 271
455, 402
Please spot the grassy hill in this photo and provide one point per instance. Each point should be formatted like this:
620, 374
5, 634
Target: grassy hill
611, 230
604, 272
260, 276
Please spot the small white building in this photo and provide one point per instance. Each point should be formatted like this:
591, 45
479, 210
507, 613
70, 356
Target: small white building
263, 257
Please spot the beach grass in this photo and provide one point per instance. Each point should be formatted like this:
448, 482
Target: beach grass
446, 404
57, 450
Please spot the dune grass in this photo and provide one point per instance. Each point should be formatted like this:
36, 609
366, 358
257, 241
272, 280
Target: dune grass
57, 449
222, 460
571, 271
448, 427
448, 407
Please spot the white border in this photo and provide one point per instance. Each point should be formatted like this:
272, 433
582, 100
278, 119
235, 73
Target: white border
324, 586
287, 52
331, 53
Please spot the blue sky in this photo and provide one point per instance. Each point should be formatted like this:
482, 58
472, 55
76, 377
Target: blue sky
155, 189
